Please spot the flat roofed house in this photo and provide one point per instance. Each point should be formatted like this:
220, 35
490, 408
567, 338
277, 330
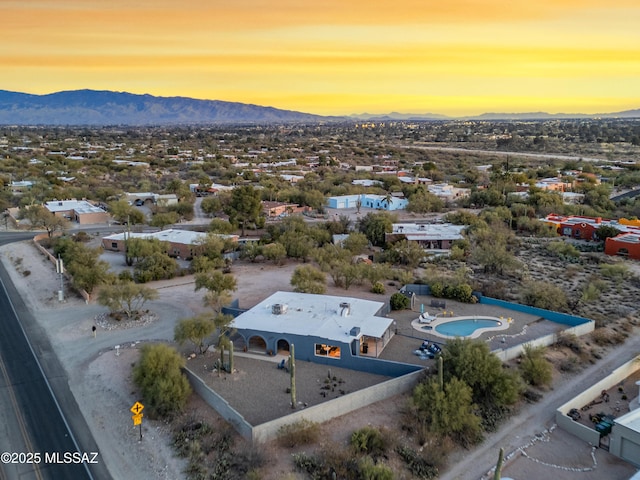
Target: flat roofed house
430, 236
79, 211
325, 329
182, 243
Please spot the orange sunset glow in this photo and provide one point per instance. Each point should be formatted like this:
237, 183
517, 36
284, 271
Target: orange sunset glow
454, 57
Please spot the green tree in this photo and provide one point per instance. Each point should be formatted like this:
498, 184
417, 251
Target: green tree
276, 252
424, 202
83, 264
405, 253
157, 266
308, 279
448, 411
297, 245
40, 217
218, 225
472, 362
356, 243
399, 301
606, 231
219, 286
162, 219
194, 329
126, 297
244, 206
211, 205
163, 386
122, 212
375, 225
139, 248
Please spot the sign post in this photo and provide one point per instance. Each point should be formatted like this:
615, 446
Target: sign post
136, 409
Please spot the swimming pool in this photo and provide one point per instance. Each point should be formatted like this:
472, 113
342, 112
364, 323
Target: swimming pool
466, 327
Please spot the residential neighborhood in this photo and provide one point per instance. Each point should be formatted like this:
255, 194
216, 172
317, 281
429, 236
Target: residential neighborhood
339, 263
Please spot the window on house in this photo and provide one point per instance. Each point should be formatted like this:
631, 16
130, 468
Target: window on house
323, 350
114, 245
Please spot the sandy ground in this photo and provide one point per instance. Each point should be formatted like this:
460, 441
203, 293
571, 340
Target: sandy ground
100, 377
99, 369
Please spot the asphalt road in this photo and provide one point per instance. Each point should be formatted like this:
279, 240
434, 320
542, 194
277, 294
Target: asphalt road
43, 434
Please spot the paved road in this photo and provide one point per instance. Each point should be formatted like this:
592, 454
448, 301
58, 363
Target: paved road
556, 156
38, 412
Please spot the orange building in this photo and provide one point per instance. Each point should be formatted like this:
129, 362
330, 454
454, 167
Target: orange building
625, 245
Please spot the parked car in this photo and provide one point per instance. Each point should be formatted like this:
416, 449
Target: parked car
434, 349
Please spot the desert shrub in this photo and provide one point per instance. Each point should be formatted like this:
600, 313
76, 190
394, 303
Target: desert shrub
378, 288
601, 336
531, 396
570, 341
125, 276
187, 434
302, 432
368, 440
374, 471
563, 250
617, 271
309, 464
163, 386
416, 464
569, 365
545, 295
535, 369
81, 237
26, 273
398, 301
437, 289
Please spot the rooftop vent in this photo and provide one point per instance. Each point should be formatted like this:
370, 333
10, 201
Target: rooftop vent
345, 309
278, 309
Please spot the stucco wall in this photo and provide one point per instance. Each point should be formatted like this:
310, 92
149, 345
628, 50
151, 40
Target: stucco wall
584, 432
318, 413
545, 341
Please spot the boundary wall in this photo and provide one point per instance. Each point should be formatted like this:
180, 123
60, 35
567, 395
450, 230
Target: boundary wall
317, 413
583, 431
545, 341
54, 261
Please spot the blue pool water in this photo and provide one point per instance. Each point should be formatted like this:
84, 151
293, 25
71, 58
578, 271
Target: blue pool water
464, 328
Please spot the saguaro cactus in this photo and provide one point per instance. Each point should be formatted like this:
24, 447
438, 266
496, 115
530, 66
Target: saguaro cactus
498, 473
292, 373
230, 356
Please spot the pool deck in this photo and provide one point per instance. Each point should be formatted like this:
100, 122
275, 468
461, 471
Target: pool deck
523, 328
429, 326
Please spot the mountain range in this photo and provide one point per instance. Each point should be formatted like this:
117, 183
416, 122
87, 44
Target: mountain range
100, 107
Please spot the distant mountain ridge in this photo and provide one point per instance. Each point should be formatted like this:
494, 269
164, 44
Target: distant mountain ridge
104, 107
101, 107
493, 116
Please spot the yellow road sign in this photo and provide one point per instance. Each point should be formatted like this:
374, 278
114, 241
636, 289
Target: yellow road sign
137, 419
137, 408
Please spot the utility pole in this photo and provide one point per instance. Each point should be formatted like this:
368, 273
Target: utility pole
60, 271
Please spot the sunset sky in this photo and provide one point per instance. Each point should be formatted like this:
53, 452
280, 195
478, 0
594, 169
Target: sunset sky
454, 57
